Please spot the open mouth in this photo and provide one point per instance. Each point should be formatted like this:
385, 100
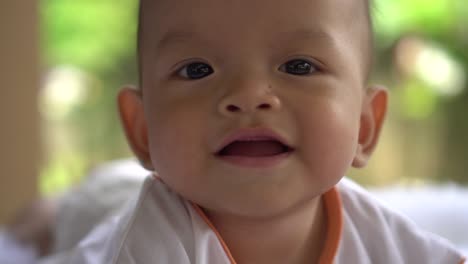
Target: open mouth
252, 148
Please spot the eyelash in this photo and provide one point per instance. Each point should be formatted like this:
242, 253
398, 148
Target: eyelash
308, 66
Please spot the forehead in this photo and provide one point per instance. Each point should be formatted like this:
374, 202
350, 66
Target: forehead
167, 20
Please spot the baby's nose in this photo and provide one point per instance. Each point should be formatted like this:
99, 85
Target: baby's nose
249, 99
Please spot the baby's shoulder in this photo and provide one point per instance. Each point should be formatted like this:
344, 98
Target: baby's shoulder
378, 234
157, 215
160, 226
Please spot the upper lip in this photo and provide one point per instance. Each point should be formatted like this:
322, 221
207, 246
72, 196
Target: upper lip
252, 134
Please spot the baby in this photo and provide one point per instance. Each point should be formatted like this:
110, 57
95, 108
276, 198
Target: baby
250, 112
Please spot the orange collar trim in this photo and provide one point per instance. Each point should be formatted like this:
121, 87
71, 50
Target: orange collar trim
213, 228
333, 207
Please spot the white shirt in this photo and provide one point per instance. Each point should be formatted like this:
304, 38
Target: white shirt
163, 228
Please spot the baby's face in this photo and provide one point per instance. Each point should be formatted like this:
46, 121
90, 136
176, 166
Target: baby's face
253, 106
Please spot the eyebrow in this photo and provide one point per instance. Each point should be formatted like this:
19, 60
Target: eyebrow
175, 37
309, 33
172, 37
313, 34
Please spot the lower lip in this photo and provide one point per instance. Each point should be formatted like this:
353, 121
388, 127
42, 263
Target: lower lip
255, 162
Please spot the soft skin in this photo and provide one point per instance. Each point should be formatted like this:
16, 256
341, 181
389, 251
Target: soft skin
329, 117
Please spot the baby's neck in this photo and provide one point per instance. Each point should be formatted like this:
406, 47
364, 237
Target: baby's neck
295, 238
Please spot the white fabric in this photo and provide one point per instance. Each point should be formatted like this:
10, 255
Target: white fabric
441, 209
13, 252
104, 191
373, 233
163, 228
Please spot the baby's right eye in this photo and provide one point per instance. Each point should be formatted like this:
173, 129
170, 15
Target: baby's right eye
195, 70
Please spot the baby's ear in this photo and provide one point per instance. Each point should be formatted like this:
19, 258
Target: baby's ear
131, 110
373, 114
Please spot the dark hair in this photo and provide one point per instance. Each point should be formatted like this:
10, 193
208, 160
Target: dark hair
139, 40
369, 5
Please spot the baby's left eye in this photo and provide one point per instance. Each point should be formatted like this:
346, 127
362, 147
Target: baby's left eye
195, 70
298, 67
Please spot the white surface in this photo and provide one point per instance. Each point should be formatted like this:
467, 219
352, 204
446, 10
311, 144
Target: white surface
442, 210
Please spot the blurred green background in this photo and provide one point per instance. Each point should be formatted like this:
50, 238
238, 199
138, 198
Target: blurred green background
88, 50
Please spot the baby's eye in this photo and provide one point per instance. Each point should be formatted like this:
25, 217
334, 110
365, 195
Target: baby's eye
298, 67
195, 70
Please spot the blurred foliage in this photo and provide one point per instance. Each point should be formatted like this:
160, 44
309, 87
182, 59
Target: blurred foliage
97, 38
426, 134
418, 111
93, 35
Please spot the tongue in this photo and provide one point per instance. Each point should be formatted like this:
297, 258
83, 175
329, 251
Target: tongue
253, 148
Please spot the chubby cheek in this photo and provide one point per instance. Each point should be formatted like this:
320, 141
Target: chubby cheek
330, 139
176, 144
